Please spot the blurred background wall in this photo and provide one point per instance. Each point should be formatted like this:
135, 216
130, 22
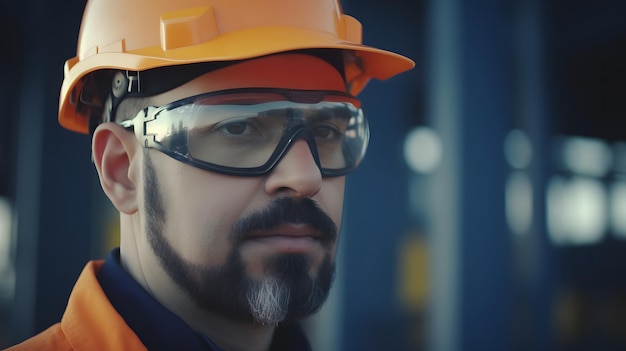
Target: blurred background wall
490, 213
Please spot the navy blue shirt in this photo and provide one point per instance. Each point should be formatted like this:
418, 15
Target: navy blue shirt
158, 328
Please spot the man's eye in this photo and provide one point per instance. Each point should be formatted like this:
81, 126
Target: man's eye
326, 132
238, 128
235, 128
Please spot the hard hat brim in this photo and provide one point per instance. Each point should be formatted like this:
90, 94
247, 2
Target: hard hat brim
232, 46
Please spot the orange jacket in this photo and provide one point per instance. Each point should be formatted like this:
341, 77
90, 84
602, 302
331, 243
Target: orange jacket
89, 323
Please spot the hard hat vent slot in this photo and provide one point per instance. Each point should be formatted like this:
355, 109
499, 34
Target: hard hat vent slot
188, 27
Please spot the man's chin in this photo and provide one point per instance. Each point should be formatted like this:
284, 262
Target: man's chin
289, 289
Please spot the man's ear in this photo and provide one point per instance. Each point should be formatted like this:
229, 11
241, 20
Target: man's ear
115, 156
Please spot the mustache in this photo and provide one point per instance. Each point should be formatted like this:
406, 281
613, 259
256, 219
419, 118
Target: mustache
287, 210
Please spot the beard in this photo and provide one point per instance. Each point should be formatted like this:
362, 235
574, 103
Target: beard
287, 291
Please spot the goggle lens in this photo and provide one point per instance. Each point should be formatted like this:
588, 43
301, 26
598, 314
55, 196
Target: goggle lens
247, 131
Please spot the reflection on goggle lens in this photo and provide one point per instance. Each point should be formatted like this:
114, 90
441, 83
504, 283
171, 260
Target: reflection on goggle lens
246, 131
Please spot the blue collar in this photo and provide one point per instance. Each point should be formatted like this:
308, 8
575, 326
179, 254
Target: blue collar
157, 327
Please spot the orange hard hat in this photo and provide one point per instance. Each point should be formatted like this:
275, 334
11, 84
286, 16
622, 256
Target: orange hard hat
137, 35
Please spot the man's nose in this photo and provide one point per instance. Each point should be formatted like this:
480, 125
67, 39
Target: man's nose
296, 173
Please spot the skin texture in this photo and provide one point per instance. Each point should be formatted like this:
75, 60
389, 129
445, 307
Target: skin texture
181, 227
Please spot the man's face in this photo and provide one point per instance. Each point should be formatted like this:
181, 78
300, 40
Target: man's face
250, 248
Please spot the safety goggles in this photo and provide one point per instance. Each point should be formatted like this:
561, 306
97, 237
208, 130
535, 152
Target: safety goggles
246, 132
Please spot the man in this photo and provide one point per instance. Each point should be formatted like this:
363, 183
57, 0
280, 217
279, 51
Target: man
222, 131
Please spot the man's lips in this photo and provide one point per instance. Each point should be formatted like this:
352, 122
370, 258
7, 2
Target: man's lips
286, 237
286, 230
